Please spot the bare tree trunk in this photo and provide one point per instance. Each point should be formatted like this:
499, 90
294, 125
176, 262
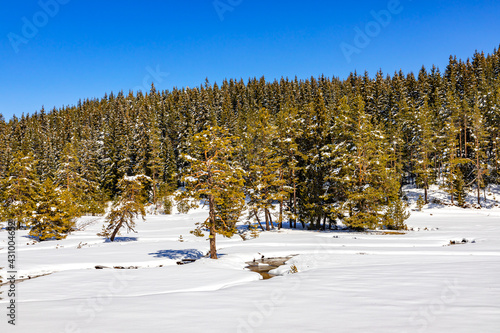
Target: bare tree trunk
460, 142
271, 224
267, 220
113, 235
258, 220
451, 193
155, 200
478, 174
465, 136
294, 204
213, 249
280, 222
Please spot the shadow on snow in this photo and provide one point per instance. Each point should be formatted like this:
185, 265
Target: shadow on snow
178, 254
122, 239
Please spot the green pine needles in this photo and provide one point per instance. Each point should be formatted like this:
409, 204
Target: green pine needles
304, 154
214, 177
127, 207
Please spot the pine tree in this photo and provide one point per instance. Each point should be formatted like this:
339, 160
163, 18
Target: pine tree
5, 150
20, 190
437, 128
459, 188
420, 203
451, 159
264, 177
93, 197
69, 178
214, 175
55, 216
311, 166
362, 170
287, 154
155, 164
425, 147
478, 130
128, 206
396, 215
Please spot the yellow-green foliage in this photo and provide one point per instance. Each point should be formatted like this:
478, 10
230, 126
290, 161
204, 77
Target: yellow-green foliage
167, 205
214, 176
54, 216
19, 190
128, 206
396, 215
420, 203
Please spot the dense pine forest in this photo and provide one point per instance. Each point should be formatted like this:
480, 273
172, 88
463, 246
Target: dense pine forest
309, 152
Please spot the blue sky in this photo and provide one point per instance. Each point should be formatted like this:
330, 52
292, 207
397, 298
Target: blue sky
55, 52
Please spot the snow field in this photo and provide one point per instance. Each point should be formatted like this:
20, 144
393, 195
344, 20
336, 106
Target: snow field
346, 282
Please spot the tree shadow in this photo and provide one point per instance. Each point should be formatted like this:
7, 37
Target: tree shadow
32, 237
122, 239
178, 254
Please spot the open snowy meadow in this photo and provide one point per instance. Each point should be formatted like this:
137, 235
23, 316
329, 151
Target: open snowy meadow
442, 275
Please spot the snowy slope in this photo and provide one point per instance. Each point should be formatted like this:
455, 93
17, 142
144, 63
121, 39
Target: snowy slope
347, 282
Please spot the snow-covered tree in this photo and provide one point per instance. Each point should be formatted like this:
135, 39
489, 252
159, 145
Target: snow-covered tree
20, 190
128, 206
265, 175
214, 176
54, 215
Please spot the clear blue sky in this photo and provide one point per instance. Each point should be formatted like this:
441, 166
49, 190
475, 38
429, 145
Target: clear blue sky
86, 48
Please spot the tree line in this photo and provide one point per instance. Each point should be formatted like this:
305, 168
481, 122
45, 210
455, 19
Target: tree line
310, 152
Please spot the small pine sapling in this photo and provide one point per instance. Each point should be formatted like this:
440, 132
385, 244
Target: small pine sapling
460, 193
420, 203
167, 205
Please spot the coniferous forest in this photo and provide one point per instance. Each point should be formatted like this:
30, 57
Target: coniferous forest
309, 152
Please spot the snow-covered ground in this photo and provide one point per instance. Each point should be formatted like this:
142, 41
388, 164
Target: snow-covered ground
346, 282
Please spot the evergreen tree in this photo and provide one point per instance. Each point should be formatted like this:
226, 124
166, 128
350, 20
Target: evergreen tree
436, 128
451, 159
55, 216
20, 190
212, 174
363, 171
93, 198
155, 165
288, 158
264, 177
425, 147
69, 178
128, 206
478, 133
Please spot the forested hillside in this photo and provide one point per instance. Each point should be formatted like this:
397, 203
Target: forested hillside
321, 150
